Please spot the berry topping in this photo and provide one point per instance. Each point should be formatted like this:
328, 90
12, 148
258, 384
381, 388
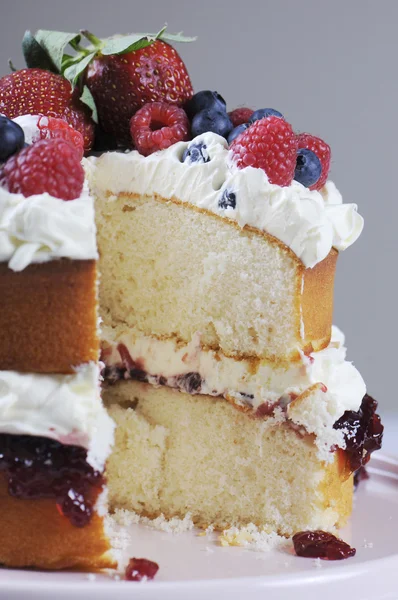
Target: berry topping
227, 200
308, 167
237, 131
51, 166
50, 128
40, 92
12, 138
38, 467
157, 126
263, 113
123, 83
240, 115
205, 100
196, 153
141, 569
363, 432
211, 119
322, 151
320, 544
269, 144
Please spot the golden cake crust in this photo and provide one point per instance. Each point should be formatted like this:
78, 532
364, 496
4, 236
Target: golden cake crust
34, 534
48, 317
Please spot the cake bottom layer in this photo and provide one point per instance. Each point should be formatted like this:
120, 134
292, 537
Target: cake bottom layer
35, 534
176, 453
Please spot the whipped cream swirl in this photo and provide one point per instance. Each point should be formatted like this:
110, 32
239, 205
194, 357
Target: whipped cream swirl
66, 408
308, 222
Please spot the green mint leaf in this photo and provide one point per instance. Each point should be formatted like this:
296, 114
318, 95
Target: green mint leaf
89, 101
55, 42
74, 70
36, 56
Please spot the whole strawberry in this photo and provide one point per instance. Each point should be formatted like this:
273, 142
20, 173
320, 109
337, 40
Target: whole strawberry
51, 166
123, 83
40, 92
269, 144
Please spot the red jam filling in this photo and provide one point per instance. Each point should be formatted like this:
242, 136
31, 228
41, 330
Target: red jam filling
320, 544
140, 569
37, 467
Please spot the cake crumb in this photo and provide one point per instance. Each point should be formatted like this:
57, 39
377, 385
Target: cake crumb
175, 525
91, 577
317, 563
252, 538
367, 544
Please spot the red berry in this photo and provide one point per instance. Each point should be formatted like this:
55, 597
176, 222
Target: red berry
239, 116
320, 544
39, 92
269, 144
157, 126
51, 166
51, 128
141, 568
323, 152
121, 84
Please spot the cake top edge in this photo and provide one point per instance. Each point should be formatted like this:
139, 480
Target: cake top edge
202, 173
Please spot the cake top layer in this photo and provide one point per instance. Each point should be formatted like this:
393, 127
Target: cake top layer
202, 173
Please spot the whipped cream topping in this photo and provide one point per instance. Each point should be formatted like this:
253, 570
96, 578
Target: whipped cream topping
308, 222
66, 408
316, 390
42, 228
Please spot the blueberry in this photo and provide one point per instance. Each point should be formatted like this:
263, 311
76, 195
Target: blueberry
237, 131
308, 167
202, 100
227, 200
211, 120
196, 153
261, 113
12, 138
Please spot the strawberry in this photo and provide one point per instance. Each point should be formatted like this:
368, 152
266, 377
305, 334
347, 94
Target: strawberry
51, 166
40, 92
123, 83
269, 144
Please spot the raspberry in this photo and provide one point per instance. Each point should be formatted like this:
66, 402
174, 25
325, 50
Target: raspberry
51, 128
157, 126
269, 144
239, 116
51, 166
322, 150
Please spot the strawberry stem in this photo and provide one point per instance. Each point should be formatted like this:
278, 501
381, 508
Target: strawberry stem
96, 42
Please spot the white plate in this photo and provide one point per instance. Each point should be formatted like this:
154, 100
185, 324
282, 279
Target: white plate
193, 567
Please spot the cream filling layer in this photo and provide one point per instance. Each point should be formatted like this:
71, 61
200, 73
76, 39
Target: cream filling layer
308, 222
66, 408
315, 391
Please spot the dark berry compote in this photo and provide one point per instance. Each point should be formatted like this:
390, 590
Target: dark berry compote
363, 432
141, 569
320, 544
38, 467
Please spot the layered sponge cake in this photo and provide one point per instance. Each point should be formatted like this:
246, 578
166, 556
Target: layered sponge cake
166, 340
226, 378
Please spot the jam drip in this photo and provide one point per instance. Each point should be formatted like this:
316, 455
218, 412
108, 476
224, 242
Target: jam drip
141, 569
363, 432
320, 544
38, 467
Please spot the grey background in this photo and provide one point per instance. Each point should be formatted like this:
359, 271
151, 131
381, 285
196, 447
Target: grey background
331, 68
